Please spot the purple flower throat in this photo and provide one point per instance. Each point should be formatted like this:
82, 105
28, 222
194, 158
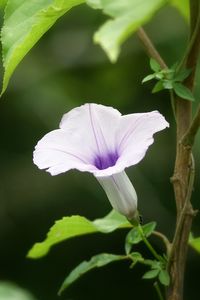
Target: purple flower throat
106, 161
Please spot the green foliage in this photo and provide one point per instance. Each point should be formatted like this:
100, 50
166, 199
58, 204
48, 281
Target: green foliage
169, 79
164, 277
3, 3
158, 270
134, 236
182, 91
25, 22
195, 243
10, 291
73, 226
96, 261
151, 274
126, 18
154, 65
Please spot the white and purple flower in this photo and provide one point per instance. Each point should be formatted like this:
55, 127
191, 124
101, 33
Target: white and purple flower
99, 140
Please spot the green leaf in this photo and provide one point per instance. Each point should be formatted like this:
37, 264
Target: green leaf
134, 235
182, 6
126, 17
96, 4
151, 274
136, 257
182, 91
164, 277
158, 87
25, 22
97, 261
182, 75
73, 226
3, 3
195, 243
148, 77
10, 291
167, 84
154, 65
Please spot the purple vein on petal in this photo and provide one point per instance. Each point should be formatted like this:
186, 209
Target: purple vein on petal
94, 132
130, 132
68, 153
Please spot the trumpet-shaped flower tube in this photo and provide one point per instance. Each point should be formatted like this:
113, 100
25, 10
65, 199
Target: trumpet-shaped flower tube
98, 139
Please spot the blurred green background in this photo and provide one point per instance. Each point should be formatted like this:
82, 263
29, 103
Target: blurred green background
64, 70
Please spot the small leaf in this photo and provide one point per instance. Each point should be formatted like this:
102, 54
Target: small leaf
158, 87
182, 91
148, 77
154, 65
195, 243
182, 75
149, 228
167, 84
97, 261
134, 236
73, 226
151, 274
136, 257
164, 277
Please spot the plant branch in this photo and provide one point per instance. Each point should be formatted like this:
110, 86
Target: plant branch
158, 291
184, 168
150, 48
164, 239
151, 249
183, 211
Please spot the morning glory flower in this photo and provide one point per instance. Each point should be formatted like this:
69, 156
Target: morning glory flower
98, 139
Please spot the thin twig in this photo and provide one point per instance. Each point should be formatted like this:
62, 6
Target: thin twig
157, 288
164, 239
150, 48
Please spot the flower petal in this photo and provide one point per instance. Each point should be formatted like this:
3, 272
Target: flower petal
135, 135
57, 154
94, 126
120, 193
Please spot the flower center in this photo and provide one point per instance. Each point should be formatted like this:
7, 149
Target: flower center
104, 162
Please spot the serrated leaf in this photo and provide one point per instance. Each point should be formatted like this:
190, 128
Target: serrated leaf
195, 243
151, 274
148, 77
182, 91
97, 261
25, 22
126, 18
134, 235
158, 87
73, 226
164, 277
154, 65
182, 6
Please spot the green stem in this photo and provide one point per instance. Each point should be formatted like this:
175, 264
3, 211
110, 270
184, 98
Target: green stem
149, 246
160, 296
